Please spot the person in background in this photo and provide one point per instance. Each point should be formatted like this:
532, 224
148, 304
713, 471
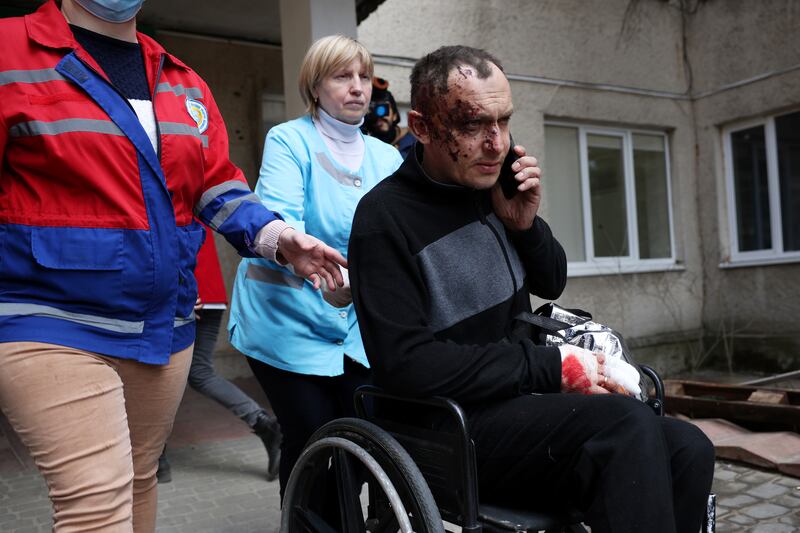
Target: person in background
109, 147
383, 119
305, 347
211, 304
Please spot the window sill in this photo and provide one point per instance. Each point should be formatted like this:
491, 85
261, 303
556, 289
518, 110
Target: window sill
579, 270
760, 261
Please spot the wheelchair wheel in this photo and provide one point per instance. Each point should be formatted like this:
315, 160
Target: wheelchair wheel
356, 478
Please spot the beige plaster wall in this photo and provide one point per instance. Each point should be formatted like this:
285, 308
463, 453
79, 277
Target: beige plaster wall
541, 36
754, 309
733, 40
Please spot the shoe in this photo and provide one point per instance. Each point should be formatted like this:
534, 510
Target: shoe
164, 472
268, 429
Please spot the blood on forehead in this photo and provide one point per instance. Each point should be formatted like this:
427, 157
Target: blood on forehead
464, 71
450, 115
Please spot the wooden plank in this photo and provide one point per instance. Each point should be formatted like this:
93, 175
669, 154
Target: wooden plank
764, 407
723, 392
778, 415
766, 396
673, 388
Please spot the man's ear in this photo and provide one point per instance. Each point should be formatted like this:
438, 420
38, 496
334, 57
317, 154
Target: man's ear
419, 127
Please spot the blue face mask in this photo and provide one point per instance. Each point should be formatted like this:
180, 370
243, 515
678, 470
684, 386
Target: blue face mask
116, 11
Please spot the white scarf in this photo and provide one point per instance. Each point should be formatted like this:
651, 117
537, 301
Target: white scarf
343, 140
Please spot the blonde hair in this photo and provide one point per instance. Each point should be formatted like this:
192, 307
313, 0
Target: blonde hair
323, 58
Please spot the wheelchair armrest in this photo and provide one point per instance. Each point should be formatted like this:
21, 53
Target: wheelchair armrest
460, 484
656, 403
445, 404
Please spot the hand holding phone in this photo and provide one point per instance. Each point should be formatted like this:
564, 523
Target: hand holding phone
507, 182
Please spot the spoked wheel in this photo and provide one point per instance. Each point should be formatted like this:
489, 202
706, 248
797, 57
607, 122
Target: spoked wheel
354, 477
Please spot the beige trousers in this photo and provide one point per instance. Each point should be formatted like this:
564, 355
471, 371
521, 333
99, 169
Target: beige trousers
95, 427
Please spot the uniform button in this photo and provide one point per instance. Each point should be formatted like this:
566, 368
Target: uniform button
357, 183
340, 342
343, 314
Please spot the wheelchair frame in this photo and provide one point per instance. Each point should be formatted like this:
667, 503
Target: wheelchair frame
420, 471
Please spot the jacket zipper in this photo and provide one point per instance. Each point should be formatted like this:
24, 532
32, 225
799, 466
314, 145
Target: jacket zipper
155, 116
485, 222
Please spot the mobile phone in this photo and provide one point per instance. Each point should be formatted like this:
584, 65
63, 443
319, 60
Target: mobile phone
507, 182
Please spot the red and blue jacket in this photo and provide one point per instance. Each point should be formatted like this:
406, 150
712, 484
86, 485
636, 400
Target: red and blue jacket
97, 237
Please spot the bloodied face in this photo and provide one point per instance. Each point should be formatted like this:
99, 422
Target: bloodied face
466, 135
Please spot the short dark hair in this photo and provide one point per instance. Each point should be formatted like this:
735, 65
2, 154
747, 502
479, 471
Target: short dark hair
429, 75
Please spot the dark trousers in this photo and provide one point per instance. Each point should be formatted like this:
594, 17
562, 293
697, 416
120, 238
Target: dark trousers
607, 455
206, 381
304, 403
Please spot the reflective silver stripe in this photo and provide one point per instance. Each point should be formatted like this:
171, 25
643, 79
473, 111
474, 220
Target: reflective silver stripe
274, 277
178, 128
110, 324
179, 321
218, 190
29, 76
68, 125
178, 90
345, 178
229, 207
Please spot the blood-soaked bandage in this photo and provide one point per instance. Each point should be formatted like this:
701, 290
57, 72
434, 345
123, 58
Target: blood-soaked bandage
578, 369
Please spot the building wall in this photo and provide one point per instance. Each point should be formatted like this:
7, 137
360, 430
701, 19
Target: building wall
672, 317
752, 309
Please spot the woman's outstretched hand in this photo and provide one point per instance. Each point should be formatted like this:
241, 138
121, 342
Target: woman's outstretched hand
312, 259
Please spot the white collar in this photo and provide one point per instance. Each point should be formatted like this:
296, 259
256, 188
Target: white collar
338, 130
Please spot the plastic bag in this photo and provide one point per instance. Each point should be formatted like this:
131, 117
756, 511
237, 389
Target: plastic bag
555, 325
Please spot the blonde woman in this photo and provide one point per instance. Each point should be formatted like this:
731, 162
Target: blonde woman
305, 352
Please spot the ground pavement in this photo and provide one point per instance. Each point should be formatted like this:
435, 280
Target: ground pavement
218, 482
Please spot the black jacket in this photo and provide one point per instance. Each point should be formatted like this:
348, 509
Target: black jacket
436, 281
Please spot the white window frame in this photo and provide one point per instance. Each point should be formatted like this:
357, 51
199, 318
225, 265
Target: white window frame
776, 254
632, 263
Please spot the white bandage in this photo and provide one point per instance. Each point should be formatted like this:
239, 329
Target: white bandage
623, 373
341, 297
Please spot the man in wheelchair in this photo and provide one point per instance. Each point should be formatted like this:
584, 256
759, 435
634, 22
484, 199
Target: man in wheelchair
442, 260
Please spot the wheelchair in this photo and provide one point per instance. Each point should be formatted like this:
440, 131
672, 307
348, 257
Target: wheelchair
394, 471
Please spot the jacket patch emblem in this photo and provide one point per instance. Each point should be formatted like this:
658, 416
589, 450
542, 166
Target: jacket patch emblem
198, 113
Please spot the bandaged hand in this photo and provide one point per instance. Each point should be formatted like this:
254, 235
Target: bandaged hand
342, 296
579, 370
587, 372
623, 373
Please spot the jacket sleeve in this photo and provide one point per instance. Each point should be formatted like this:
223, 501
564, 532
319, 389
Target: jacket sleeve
544, 259
391, 302
227, 204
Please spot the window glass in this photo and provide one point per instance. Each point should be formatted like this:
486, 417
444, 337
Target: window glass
787, 130
607, 194
652, 209
564, 190
751, 189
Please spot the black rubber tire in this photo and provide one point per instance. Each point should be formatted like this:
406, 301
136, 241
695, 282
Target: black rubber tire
317, 466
